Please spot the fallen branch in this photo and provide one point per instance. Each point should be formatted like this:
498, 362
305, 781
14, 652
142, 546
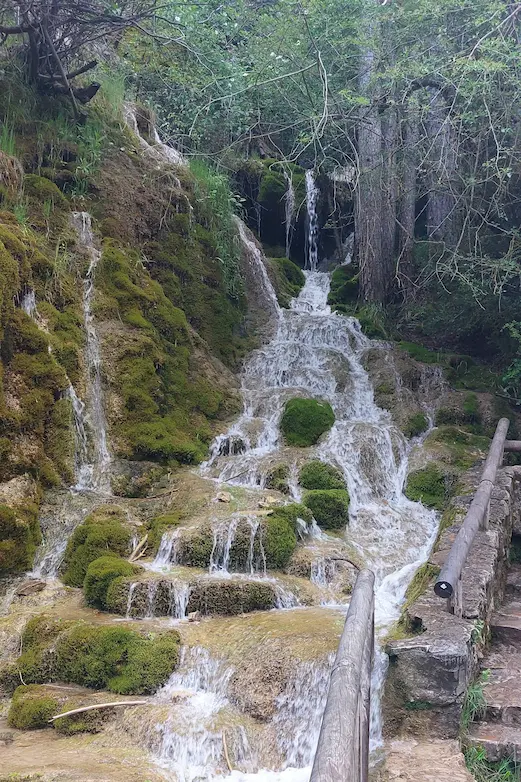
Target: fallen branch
225, 746
139, 549
97, 706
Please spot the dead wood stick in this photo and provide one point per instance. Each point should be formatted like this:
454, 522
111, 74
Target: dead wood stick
97, 706
225, 746
138, 549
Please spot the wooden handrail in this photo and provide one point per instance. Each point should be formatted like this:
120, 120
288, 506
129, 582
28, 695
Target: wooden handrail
343, 746
448, 585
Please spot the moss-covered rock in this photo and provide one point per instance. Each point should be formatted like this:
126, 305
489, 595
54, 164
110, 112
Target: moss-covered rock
468, 413
102, 533
289, 279
431, 486
330, 508
344, 286
231, 596
114, 658
31, 707
19, 537
305, 420
421, 353
100, 574
320, 475
277, 478
415, 425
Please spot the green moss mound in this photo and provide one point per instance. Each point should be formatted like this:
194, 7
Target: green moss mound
329, 507
430, 486
416, 425
114, 658
230, 597
289, 280
100, 574
319, 475
102, 533
19, 537
31, 708
305, 420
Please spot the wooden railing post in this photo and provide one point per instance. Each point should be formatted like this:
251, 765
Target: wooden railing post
449, 580
343, 746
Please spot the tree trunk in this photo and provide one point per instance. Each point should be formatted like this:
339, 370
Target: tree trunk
407, 209
368, 205
442, 197
389, 123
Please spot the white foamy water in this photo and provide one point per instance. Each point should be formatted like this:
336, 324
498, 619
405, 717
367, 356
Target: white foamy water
317, 353
93, 475
312, 195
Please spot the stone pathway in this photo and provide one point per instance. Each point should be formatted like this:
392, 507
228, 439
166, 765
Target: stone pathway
433, 760
499, 732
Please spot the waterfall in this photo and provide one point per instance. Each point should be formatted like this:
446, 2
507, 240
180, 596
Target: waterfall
93, 475
312, 194
167, 552
161, 153
317, 353
289, 202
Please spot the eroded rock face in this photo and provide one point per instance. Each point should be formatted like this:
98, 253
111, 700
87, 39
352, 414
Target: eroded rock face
261, 680
430, 671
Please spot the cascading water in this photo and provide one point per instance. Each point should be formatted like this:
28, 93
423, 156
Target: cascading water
319, 354
94, 474
312, 194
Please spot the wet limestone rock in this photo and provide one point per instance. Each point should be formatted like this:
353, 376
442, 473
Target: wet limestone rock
260, 680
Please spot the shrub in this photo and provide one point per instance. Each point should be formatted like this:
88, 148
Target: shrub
305, 420
102, 533
329, 507
31, 708
431, 486
100, 574
416, 424
319, 475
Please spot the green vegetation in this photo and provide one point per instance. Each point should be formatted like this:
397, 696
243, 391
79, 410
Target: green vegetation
420, 353
102, 533
19, 536
469, 413
305, 420
289, 280
217, 205
320, 475
344, 287
230, 597
31, 708
100, 574
484, 771
462, 448
475, 704
329, 507
430, 486
159, 525
416, 425
113, 658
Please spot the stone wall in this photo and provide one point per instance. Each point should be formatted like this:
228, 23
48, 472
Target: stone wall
430, 671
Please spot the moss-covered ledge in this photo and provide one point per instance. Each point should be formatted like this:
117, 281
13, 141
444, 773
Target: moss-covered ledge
431, 669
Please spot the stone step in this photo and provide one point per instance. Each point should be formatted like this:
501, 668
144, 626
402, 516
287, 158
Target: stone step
503, 694
499, 741
506, 623
513, 586
434, 760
